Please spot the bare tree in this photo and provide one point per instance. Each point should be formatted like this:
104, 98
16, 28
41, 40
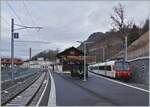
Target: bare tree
118, 17
119, 24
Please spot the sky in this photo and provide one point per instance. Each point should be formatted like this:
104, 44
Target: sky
63, 22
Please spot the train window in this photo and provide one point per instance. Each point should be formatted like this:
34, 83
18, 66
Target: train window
108, 68
95, 68
105, 68
102, 68
122, 65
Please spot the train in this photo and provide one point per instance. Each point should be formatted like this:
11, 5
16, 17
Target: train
113, 69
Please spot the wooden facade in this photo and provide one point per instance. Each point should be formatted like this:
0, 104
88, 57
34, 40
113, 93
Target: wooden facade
72, 51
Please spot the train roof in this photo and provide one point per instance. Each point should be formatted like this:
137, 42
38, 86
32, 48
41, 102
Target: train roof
105, 63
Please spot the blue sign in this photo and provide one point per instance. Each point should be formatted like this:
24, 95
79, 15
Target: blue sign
123, 46
16, 35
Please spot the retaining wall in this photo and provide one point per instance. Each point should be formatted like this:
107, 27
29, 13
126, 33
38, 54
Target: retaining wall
140, 69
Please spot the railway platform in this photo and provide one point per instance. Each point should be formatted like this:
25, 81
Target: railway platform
55, 88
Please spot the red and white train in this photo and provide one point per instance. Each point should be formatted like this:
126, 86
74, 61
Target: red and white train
114, 69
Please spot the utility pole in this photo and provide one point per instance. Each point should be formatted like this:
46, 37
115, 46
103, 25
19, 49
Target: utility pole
16, 35
12, 37
12, 43
29, 53
12, 46
84, 62
84, 43
126, 48
103, 54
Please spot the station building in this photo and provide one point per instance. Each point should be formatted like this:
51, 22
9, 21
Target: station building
62, 56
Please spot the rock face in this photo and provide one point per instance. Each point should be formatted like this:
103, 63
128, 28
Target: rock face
110, 41
140, 47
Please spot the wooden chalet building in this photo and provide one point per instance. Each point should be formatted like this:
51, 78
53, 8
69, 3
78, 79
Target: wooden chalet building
72, 60
62, 56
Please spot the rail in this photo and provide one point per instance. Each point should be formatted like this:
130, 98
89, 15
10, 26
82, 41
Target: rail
23, 94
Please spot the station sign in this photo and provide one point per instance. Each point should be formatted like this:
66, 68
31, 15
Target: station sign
16, 35
80, 58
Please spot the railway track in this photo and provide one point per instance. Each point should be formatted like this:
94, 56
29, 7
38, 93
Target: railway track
24, 94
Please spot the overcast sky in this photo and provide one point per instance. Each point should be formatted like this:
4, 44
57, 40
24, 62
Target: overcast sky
63, 23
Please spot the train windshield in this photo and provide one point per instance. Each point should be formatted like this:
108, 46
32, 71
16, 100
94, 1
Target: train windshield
122, 66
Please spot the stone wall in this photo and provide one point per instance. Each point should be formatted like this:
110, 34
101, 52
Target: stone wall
140, 52
140, 69
140, 47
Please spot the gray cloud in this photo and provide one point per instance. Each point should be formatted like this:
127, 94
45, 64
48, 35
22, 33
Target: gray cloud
64, 22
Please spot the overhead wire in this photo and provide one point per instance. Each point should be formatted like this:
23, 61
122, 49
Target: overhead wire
29, 14
27, 10
18, 17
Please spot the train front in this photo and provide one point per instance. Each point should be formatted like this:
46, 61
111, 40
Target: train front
123, 70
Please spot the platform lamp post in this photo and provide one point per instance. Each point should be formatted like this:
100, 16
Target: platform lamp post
84, 44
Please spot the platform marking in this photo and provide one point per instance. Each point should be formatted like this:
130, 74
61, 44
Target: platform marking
141, 89
52, 96
42, 95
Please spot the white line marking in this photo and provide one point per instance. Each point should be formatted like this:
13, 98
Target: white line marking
52, 96
6, 92
138, 58
45, 81
141, 89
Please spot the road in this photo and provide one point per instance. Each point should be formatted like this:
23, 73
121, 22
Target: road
96, 91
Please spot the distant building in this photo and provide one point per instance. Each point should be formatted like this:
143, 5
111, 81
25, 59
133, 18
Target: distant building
7, 61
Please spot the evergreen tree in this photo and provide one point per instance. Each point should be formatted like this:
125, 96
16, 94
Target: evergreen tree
133, 34
146, 26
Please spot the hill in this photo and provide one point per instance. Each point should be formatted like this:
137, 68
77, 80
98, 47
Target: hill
110, 41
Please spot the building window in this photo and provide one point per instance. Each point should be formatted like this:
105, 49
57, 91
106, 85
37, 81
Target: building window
72, 52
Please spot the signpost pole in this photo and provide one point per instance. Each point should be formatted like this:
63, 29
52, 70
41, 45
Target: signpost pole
126, 49
84, 62
103, 54
12, 46
12, 42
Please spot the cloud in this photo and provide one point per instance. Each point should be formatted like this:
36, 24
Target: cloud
63, 23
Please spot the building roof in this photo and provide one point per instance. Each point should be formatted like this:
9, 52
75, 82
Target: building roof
8, 61
67, 52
